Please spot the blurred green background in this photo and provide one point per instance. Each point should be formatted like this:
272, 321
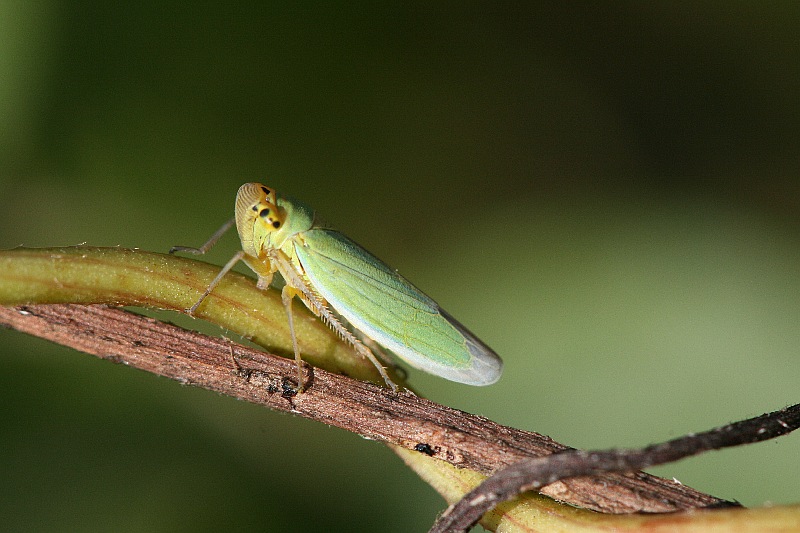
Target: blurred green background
608, 196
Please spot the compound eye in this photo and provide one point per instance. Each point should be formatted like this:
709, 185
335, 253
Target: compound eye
269, 194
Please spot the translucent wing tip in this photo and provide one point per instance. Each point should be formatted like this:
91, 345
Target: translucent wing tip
485, 367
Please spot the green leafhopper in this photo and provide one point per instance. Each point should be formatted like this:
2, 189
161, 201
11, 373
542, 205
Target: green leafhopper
350, 289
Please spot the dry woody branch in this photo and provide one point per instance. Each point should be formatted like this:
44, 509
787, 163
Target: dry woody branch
414, 423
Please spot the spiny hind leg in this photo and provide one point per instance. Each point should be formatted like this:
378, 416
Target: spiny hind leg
287, 295
366, 352
296, 285
381, 355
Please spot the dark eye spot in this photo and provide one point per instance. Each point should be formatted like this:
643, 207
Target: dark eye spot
276, 224
265, 190
264, 212
255, 208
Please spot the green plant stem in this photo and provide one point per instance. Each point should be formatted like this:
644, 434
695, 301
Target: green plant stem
123, 277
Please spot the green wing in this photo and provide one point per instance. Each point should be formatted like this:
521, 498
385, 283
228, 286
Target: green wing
387, 308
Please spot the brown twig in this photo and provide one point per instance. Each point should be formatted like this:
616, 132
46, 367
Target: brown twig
534, 473
403, 419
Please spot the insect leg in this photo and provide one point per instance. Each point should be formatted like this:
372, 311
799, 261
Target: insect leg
214, 282
287, 295
380, 354
208, 244
319, 307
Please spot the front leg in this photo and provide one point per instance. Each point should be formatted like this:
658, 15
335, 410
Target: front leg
265, 281
264, 268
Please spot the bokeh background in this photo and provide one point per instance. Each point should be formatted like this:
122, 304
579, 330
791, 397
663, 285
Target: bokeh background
607, 195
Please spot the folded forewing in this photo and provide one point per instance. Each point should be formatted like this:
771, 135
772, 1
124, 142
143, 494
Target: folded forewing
390, 310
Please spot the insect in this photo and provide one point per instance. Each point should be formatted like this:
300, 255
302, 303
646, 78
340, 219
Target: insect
345, 285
